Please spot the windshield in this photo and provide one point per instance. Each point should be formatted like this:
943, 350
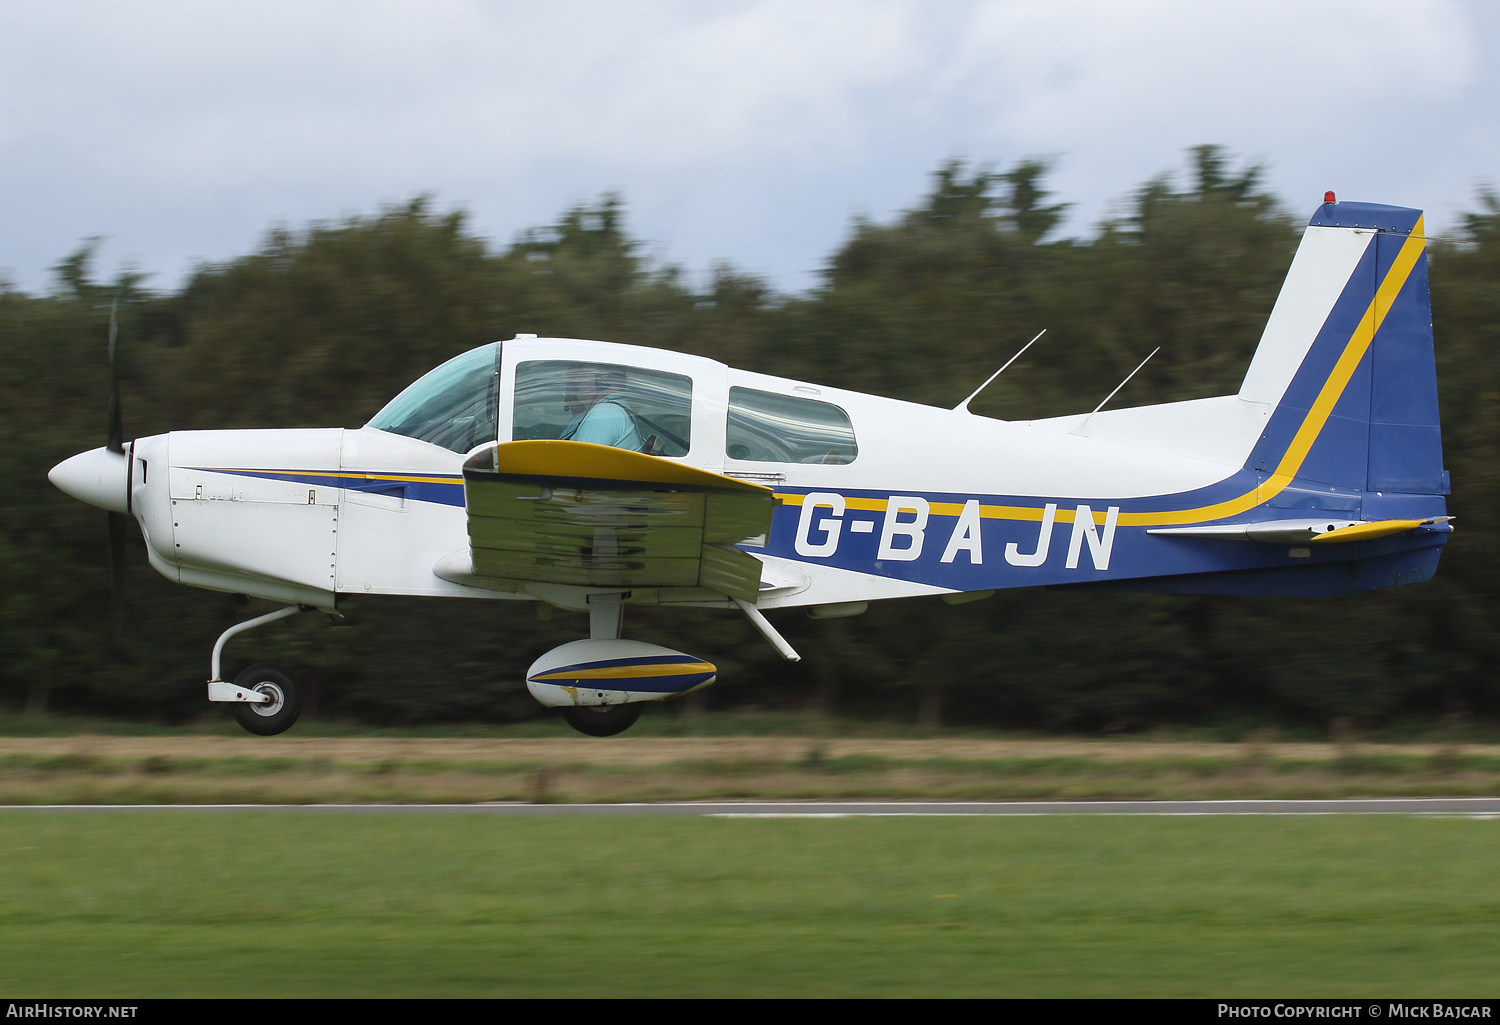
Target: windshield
455, 405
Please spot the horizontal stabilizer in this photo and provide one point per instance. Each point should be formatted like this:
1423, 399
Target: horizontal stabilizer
569, 512
1302, 531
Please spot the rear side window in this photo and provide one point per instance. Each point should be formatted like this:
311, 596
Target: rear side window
767, 427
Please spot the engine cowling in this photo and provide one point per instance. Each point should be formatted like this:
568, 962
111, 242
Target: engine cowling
614, 672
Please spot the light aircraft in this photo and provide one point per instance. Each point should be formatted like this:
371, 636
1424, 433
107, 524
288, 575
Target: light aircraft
595, 476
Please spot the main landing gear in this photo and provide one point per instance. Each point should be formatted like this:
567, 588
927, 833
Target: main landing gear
601, 685
595, 683
602, 720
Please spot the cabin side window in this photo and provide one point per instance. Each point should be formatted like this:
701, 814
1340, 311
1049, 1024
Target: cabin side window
455, 406
771, 428
642, 410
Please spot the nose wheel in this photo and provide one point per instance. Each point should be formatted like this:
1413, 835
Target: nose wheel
277, 715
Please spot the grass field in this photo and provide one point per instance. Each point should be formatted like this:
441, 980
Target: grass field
301, 769
265, 903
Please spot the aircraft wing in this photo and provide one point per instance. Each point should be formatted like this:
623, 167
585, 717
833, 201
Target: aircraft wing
570, 512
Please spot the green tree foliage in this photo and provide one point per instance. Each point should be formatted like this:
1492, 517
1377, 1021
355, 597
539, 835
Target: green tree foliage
919, 308
321, 326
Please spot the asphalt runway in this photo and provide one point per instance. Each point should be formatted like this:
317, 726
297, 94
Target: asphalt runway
1477, 807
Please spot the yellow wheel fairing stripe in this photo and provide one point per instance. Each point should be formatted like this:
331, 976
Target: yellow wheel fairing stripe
628, 672
1285, 472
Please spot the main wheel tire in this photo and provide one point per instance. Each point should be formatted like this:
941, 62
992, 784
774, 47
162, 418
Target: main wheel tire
277, 715
602, 720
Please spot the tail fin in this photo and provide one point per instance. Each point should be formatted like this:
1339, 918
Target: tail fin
1346, 361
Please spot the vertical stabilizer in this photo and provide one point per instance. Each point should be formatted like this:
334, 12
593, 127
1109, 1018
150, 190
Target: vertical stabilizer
1346, 362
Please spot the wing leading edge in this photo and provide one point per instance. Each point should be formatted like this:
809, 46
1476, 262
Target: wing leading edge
570, 512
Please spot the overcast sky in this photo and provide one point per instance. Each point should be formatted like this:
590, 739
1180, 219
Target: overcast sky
749, 132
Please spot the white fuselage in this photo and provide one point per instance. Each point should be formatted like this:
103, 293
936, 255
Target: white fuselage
306, 515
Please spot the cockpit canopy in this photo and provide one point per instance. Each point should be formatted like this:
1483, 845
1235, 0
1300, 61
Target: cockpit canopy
644, 409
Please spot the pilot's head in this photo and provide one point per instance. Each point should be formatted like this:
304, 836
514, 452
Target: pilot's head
587, 383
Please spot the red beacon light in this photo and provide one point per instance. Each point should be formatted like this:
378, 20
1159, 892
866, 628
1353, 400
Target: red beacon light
1328, 197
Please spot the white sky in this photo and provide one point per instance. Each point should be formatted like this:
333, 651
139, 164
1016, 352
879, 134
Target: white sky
749, 132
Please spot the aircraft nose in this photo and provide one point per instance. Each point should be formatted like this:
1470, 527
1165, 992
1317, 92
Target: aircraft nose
98, 477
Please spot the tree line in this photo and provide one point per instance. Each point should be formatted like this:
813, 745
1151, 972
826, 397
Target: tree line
321, 326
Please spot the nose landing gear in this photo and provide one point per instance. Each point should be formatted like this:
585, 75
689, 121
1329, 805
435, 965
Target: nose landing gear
267, 699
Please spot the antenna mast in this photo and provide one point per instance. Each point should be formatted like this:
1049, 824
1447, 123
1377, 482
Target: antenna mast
1112, 394
964, 405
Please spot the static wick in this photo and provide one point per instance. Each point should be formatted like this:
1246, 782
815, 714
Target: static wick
964, 405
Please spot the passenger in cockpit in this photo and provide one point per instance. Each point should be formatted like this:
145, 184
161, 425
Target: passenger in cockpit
595, 396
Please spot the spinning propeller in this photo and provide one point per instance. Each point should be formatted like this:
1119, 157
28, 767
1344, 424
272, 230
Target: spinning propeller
118, 522
101, 477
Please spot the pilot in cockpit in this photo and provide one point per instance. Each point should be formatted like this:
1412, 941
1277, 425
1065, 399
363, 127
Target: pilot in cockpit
595, 396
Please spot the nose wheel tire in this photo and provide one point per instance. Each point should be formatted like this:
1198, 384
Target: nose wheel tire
270, 717
602, 720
